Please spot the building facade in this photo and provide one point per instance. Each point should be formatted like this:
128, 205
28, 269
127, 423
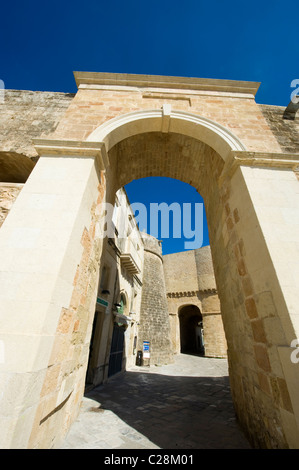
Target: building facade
193, 303
117, 315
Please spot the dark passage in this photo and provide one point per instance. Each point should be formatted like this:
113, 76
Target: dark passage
191, 330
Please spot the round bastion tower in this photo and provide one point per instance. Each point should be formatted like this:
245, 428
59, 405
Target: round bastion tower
154, 318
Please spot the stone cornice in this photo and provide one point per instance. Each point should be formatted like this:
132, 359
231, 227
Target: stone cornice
160, 81
259, 159
281, 159
75, 148
11, 185
192, 293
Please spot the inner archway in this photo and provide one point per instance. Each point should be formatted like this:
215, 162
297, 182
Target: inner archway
191, 330
184, 158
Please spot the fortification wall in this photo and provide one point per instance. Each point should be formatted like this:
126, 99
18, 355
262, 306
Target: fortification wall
286, 131
189, 279
180, 272
154, 319
25, 115
204, 269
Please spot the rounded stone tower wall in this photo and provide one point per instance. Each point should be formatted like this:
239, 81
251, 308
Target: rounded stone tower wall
205, 270
154, 317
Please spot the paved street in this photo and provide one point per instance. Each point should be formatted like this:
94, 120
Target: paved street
185, 405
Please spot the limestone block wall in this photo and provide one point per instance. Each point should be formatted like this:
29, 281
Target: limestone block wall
253, 312
100, 98
286, 131
154, 319
204, 269
25, 115
190, 280
56, 262
64, 376
180, 272
215, 341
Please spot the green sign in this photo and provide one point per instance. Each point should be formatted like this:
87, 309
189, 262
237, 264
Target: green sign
102, 301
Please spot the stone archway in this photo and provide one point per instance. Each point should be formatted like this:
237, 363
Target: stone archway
191, 330
256, 286
233, 226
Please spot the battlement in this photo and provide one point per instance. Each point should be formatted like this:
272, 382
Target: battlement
152, 244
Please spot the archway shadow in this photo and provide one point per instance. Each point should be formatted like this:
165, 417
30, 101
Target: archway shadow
174, 412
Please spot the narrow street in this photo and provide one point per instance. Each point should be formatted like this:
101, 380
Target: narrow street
184, 405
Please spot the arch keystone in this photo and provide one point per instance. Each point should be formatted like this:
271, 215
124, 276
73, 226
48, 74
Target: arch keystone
166, 112
205, 130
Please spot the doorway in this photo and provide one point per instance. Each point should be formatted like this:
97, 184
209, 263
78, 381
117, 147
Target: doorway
191, 330
117, 350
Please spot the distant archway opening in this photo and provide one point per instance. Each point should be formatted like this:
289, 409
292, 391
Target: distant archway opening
191, 330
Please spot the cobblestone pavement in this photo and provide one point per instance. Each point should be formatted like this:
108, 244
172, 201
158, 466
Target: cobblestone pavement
185, 405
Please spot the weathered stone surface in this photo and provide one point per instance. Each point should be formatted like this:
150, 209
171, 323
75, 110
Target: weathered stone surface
25, 115
204, 268
190, 280
154, 320
180, 272
286, 131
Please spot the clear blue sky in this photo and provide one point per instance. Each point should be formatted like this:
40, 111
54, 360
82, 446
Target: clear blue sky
42, 43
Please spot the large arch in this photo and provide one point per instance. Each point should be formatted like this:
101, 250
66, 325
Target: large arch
45, 339
165, 120
249, 299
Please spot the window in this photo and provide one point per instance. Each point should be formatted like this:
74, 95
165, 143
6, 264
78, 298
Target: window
104, 282
122, 305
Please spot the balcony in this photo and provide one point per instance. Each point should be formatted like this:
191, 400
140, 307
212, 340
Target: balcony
129, 263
